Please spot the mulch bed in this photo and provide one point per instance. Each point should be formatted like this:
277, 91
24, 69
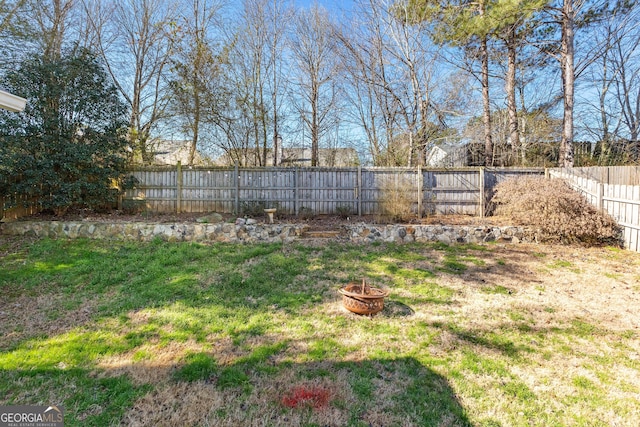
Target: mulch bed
317, 222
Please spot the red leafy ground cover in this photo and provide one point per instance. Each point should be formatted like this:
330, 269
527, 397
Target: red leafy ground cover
301, 396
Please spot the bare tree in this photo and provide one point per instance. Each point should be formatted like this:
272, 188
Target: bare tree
616, 77
602, 77
42, 26
364, 42
625, 61
254, 83
395, 82
14, 28
133, 37
8, 12
365, 110
196, 68
51, 21
253, 42
316, 88
280, 14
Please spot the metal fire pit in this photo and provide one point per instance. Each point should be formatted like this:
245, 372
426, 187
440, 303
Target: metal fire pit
361, 298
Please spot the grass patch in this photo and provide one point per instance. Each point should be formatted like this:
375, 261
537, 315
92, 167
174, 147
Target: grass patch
560, 264
496, 289
199, 366
453, 265
256, 335
233, 377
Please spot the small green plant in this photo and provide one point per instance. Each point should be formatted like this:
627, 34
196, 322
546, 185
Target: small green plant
516, 316
344, 211
305, 213
254, 208
133, 206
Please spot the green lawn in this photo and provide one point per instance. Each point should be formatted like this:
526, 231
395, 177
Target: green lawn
160, 333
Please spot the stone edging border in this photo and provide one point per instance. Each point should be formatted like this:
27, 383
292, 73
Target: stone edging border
192, 232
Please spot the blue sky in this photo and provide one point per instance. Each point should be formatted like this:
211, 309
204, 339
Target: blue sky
336, 6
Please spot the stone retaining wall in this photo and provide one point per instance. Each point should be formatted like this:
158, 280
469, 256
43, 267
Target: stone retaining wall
147, 231
258, 232
437, 233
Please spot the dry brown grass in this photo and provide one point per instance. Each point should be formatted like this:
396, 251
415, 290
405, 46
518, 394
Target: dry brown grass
156, 368
543, 294
34, 314
557, 323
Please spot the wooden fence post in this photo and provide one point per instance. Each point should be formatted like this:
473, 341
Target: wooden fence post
600, 202
482, 194
359, 190
420, 184
178, 186
236, 181
296, 190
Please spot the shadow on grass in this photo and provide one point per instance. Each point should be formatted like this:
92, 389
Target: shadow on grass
378, 392
201, 289
480, 265
164, 293
489, 339
394, 308
88, 399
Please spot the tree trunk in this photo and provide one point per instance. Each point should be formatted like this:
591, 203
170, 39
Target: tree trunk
274, 98
263, 122
274, 89
314, 125
568, 82
510, 88
411, 149
486, 114
196, 122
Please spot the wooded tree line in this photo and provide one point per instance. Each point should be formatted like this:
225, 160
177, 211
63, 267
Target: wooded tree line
519, 80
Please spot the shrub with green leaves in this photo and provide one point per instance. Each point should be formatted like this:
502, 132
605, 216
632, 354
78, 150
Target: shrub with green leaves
555, 211
69, 143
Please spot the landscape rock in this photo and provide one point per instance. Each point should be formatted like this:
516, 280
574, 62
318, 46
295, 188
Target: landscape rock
248, 230
212, 218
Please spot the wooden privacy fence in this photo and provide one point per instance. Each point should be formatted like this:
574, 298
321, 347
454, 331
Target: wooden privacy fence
17, 206
359, 191
615, 190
